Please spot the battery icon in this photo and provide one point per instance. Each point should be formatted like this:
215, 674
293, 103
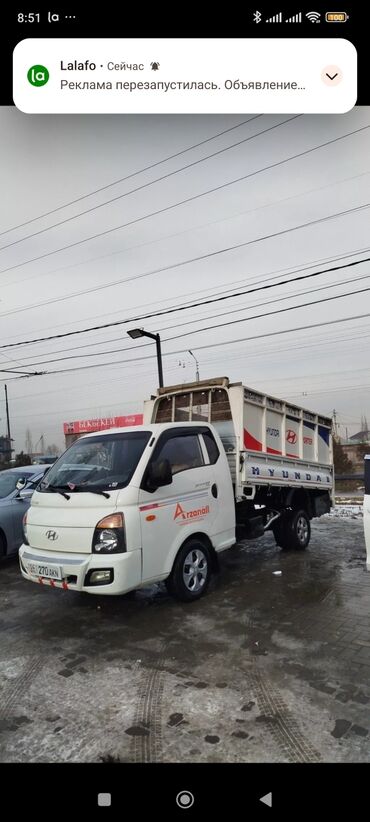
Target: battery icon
336, 17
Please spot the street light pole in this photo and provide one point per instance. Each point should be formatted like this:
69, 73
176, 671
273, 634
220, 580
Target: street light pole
196, 366
7, 413
159, 360
135, 333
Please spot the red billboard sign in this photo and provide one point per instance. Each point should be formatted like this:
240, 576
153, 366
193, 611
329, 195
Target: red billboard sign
101, 424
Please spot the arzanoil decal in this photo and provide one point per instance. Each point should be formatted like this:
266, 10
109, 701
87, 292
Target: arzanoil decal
184, 516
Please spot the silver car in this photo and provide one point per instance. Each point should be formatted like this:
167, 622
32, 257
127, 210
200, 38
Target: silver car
16, 488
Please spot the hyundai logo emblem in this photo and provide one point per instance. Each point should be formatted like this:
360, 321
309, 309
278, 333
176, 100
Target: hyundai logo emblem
52, 535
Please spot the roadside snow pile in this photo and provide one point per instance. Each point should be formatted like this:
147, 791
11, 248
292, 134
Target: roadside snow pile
343, 511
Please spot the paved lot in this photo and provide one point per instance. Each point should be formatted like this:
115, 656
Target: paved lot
264, 669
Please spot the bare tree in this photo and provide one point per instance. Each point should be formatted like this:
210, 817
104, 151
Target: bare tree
52, 450
29, 443
342, 465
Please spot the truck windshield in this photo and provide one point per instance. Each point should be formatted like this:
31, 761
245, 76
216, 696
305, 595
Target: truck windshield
101, 463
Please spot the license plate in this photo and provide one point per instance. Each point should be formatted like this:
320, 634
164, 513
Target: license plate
38, 569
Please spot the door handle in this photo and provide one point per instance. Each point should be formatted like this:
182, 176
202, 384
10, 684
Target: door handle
214, 490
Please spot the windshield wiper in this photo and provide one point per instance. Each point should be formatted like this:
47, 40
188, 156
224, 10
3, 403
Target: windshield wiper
90, 491
57, 489
61, 489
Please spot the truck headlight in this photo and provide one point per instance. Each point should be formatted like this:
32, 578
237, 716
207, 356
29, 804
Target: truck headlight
109, 535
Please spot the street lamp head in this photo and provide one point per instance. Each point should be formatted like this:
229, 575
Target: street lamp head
135, 333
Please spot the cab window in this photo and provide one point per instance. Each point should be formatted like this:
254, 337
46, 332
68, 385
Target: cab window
211, 446
182, 453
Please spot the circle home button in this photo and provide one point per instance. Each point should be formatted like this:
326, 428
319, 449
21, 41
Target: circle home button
185, 799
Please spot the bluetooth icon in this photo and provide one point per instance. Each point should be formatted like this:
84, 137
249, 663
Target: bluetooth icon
257, 16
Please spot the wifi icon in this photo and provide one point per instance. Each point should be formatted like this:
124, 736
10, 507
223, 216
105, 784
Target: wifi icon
313, 16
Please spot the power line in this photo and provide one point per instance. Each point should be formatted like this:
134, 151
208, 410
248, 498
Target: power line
186, 307
182, 263
132, 402
317, 375
270, 314
183, 202
151, 183
185, 231
198, 319
271, 351
129, 176
233, 311
258, 336
261, 352
338, 388
202, 347
212, 327
23, 373
172, 369
216, 290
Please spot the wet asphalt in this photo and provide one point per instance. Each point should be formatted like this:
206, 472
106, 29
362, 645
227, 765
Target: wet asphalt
264, 668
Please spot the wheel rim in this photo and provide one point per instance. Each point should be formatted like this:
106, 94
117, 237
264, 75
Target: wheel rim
195, 570
302, 529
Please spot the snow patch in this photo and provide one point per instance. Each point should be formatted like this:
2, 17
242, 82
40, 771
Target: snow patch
346, 511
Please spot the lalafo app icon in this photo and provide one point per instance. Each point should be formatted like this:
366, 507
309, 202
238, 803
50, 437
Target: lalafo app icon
38, 75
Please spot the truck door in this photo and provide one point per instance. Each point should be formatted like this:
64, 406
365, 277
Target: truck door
173, 512
223, 524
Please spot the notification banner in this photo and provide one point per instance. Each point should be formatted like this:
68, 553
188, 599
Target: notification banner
184, 76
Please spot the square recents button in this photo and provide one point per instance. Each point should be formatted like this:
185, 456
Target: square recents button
104, 800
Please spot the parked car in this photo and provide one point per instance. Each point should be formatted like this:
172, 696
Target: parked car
16, 488
47, 460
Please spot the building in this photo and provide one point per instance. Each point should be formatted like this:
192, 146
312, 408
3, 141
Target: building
5, 449
76, 429
361, 437
351, 451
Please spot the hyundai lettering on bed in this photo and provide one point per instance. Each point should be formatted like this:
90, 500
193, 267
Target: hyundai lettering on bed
213, 462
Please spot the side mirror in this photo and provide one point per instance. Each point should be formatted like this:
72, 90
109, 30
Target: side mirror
26, 493
21, 483
159, 474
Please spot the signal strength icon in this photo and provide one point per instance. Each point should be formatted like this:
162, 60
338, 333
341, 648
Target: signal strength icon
277, 18
297, 18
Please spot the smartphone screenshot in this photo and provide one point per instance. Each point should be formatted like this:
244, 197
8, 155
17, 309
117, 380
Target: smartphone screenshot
184, 394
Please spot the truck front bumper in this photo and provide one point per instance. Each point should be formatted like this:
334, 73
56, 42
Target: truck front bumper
76, 570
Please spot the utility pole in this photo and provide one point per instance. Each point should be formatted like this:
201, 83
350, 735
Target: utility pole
196, 366
335, 424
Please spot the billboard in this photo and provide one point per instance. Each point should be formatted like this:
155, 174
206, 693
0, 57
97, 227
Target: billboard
101, 424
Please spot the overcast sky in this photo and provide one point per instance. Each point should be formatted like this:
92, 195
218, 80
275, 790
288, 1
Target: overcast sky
48, 161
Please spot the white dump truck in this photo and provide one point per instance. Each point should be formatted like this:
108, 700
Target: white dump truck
213, 462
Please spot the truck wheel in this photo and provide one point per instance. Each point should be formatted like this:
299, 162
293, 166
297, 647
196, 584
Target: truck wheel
294, 531
191, 572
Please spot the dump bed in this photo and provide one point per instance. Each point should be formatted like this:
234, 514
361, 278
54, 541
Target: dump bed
267, 440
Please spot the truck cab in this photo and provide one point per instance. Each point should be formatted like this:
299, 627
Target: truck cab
123, 508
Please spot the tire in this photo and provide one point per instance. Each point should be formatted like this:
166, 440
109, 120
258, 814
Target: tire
2, 546
191, 572
293, 532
